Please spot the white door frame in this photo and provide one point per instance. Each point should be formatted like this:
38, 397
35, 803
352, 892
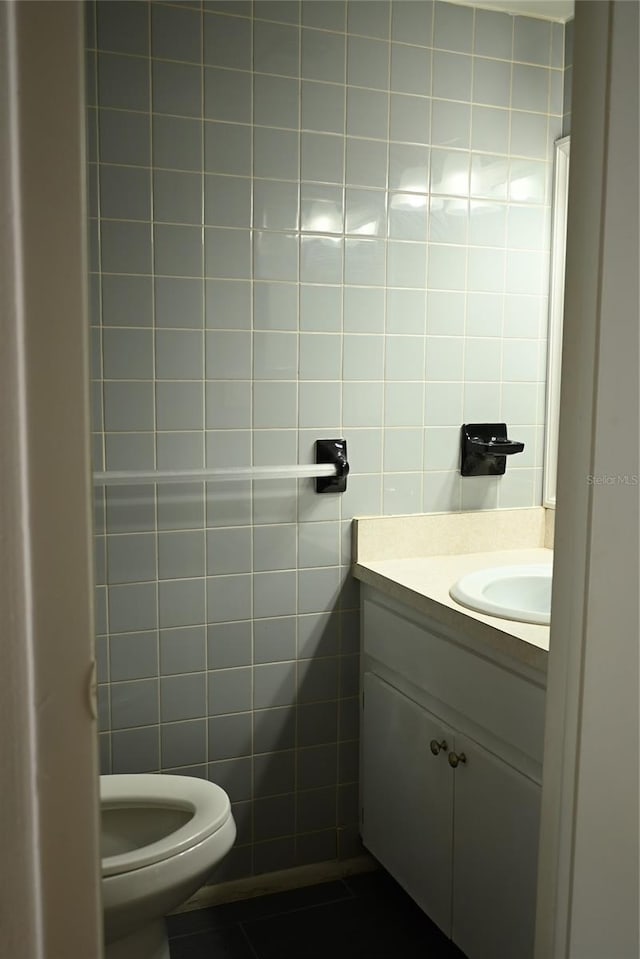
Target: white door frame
49, 883
588, 870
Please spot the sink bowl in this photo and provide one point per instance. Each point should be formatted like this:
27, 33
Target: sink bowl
521, 593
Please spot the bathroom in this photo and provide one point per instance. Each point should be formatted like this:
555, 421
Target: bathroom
305, 220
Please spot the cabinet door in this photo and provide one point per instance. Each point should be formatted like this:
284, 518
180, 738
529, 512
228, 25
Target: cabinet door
407, 796
495, 839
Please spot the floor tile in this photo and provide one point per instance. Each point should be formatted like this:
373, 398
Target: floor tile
229, 943
350, 929
368, 916
217, 917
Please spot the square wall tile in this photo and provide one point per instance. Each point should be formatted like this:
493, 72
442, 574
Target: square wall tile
274, 594
366, 163
177, 197
133, 656
275, 256
412, 22
125, 193
532, 40
322, 157
320, 308
368, 63
181, 602
124, 31
227, 201
369, 18
228, 304
227, 253
275, 102
367, 113
320, 356
177, 143
136, 750
275, 205
453, 27
123, 82
321, 259
406, 264
127, 354
363, 309
410, 69
489, 129
491, 82
177, 89
275, 153
405, 311
177, 250
228, 404
450, 124
322, 107
227, 95
128, 406
228, 598
408, 168
181, 554
275, 639
179, 406
182, 697
227, 148
134, 704
323, 56
530, 88
183, 744
364, 261
276, 49
124, 137
230, 736
175, 33
131, 558
229, 644
493, 34
230, 691
180, 450
178, 302
329, 15
451, 76
179, 355
125, 247
127, 300
227, 41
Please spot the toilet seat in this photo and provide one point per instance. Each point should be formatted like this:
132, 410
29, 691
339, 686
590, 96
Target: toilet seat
207, 804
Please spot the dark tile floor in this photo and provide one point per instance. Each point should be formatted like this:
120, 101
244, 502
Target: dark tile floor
363, 917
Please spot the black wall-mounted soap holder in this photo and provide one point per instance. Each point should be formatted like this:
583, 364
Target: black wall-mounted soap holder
335, 452
484, 448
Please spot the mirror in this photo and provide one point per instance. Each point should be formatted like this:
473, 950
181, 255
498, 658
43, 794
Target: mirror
556, 313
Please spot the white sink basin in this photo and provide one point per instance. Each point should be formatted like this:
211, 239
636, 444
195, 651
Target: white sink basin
522, 593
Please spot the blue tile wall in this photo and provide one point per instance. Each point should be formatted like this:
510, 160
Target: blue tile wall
306, 219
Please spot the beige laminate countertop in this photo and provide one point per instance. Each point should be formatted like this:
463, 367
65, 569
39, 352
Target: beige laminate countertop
423, 584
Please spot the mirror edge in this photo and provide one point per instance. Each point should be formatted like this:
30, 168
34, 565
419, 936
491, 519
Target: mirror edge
556, 313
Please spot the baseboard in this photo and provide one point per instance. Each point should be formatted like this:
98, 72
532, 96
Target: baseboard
280, 881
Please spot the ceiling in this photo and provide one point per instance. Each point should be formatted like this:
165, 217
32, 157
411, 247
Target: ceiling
545, 9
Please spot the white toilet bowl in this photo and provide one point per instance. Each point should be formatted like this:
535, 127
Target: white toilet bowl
161, 837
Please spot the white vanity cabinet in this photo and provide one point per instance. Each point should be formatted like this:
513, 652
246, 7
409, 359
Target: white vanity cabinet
450, 777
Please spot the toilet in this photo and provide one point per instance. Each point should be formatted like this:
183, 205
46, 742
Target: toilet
161, 836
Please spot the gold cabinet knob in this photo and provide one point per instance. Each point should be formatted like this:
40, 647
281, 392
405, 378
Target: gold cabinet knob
437, 747
456, 758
